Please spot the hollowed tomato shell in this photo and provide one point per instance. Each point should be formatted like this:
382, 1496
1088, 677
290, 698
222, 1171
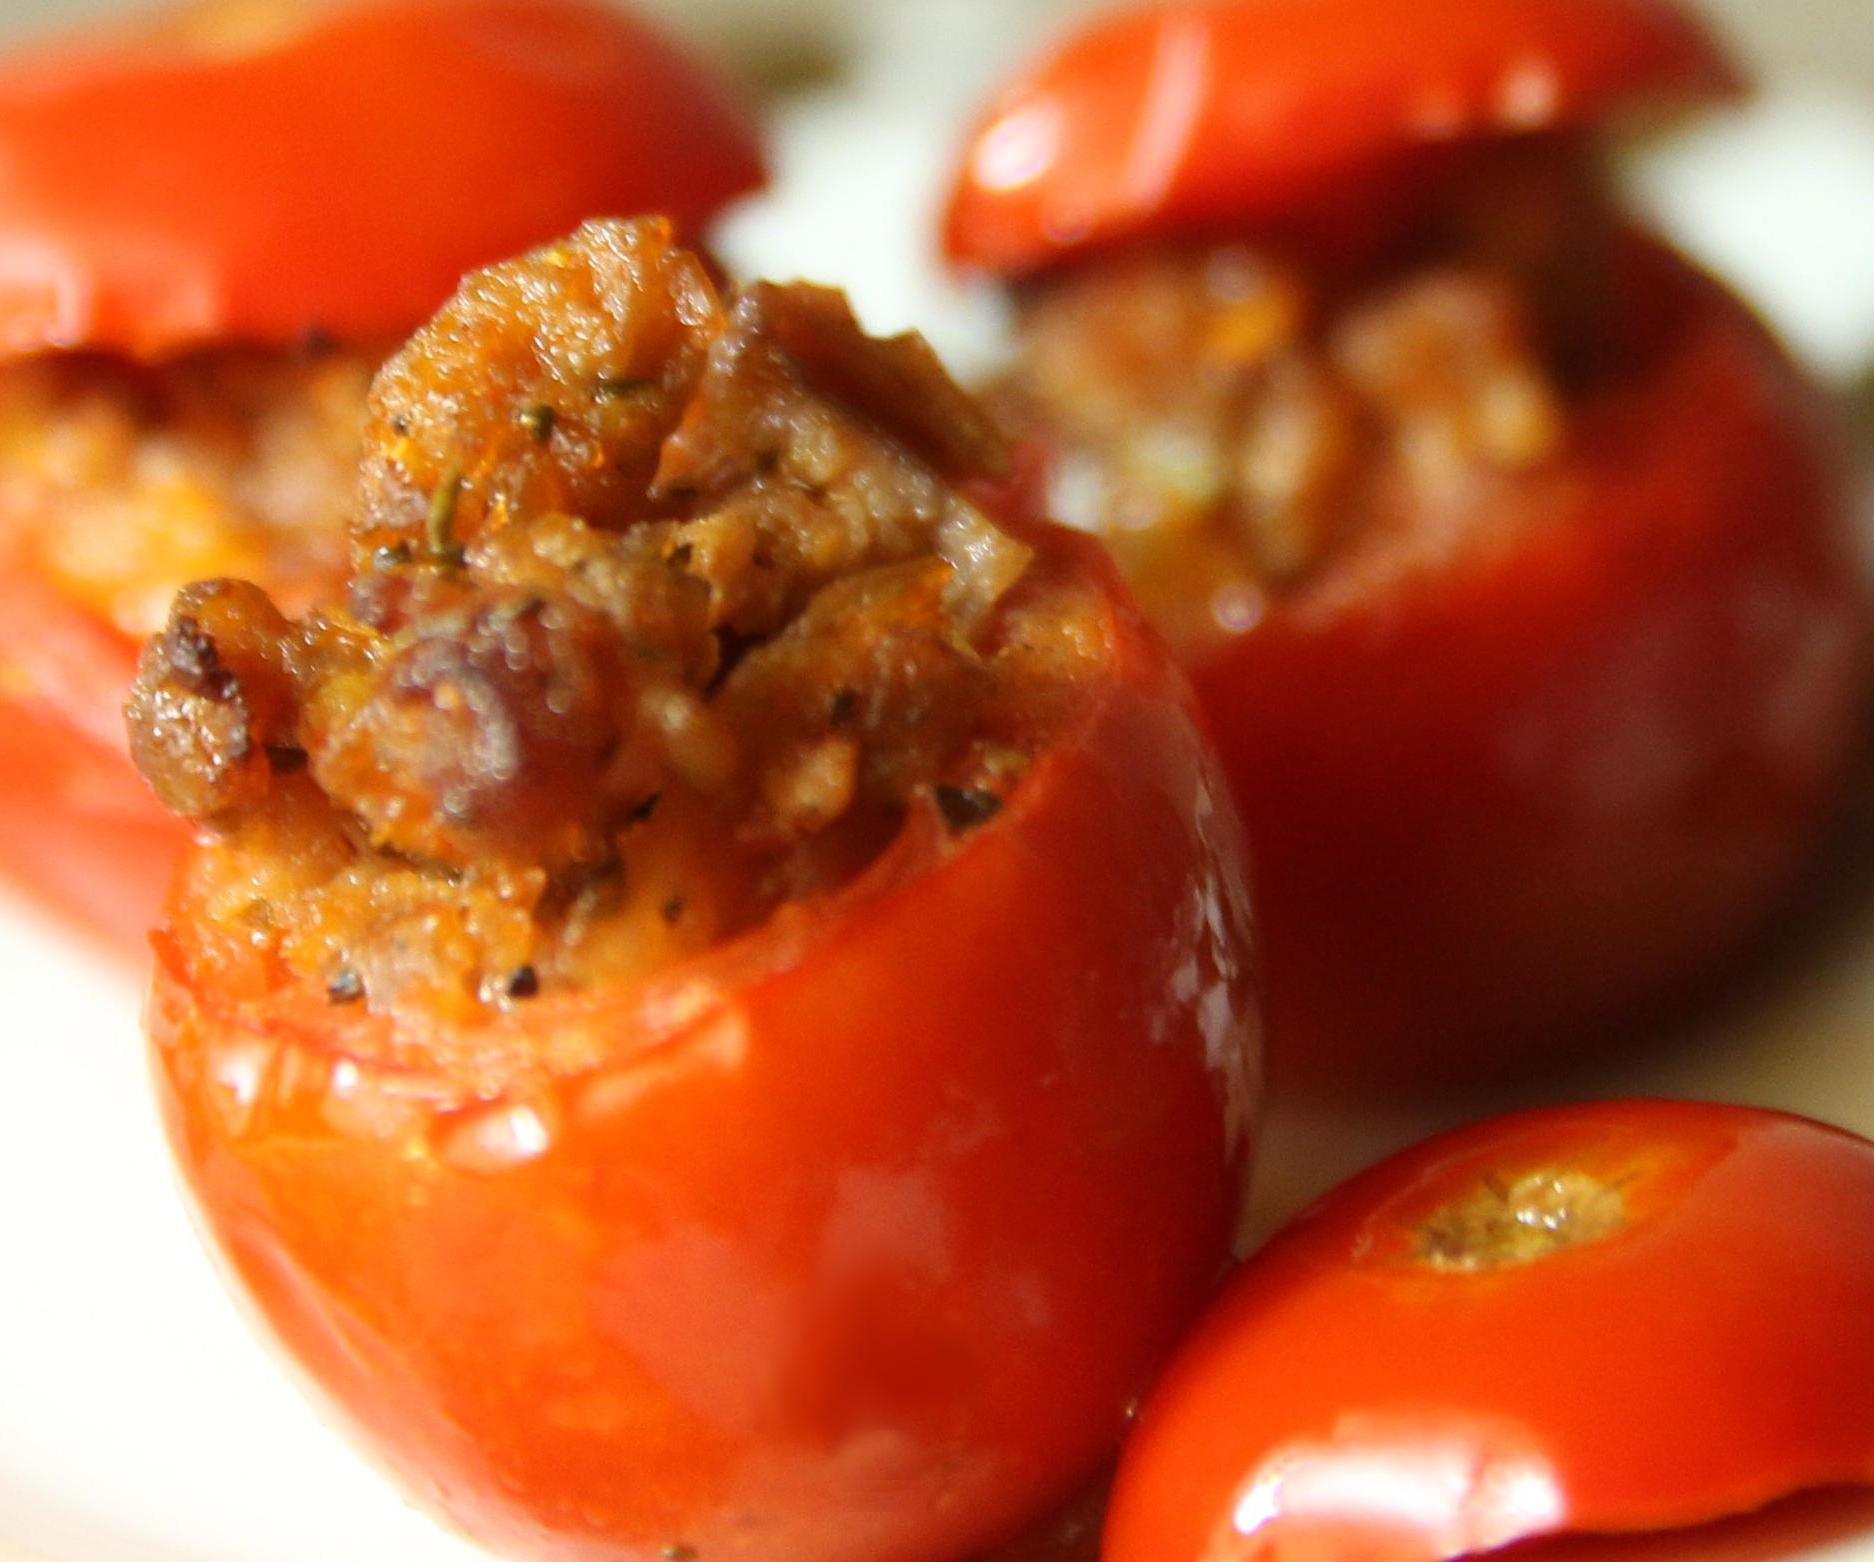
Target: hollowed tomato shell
259, 172
1225, 115
851, 1242
1507, 797
1348, 1402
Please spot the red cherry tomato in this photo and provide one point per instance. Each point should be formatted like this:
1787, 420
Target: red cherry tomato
855, 1247
1213, 114
1510, 792
1636, 1316
253, 173
1502, 801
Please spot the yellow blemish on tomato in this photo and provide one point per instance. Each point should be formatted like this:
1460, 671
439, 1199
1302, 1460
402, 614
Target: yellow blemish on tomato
1504, 1223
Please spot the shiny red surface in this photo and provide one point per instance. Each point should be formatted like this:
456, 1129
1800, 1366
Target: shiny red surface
1223, 114
1347, 1403
1506, 799
856, 1243
80, 833
258, 173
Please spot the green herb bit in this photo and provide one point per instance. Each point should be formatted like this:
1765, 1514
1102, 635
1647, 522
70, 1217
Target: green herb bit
440, 527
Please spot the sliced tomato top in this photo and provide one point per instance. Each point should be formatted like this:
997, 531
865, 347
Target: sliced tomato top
259, 172
1624, 1316
1209, 112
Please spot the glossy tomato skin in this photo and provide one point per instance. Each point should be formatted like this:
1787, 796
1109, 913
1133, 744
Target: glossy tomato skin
80, 833
1504, 801
332, 169
1348, 1402
1203, 116
860, 1240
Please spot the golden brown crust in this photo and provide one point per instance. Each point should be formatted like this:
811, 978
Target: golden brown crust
619, 670
121, 483
1237, 421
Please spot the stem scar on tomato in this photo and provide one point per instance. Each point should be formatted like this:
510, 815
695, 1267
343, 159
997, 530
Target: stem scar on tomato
1520, 1219
1421, 1366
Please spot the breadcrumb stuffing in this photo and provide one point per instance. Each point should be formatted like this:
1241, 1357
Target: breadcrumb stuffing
666, 609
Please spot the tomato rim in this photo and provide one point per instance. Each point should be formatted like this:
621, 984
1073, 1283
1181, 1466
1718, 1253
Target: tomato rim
658, 1011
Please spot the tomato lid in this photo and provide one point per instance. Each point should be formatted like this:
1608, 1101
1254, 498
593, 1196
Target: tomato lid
1616, 1317
262, 170
1208, 112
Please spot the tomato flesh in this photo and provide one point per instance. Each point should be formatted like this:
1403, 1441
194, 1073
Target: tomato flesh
1355, 1395
79, 831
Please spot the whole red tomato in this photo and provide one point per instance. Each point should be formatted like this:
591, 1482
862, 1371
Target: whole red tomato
1543, 760
719, 1019
858, 1245
1625, 1317
256, 178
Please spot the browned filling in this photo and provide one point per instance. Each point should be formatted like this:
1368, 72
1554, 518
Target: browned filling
120, 484
665, 611
1235, 418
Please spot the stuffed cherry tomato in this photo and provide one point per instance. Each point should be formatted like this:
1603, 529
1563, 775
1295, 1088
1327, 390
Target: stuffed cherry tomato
1511, 558
1618, 1318
714, 1015
213, 226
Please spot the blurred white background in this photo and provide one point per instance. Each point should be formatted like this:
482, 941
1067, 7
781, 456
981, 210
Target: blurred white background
1817, 39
